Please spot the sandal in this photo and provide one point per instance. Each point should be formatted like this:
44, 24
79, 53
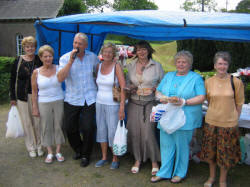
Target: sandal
154, 171
49, 159
176, 179
223, 184
209, 182
156, 179
135, 169
59, 157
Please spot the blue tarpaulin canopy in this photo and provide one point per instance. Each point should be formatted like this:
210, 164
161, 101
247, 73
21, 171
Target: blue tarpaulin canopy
152, 25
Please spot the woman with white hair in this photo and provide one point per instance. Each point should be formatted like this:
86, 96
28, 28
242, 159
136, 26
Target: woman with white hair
188, 87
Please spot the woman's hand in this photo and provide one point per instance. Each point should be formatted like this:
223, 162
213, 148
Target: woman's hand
180, 102
133, 89
163, 101
121, 113
13, 102
35, 112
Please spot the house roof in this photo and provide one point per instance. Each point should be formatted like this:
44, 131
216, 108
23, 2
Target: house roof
29, 9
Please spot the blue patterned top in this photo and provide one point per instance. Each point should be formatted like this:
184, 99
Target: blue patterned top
80, 83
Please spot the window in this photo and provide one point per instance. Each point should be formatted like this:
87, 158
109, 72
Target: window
19, 50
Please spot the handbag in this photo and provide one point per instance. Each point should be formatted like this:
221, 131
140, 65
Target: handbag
173, 119
120, 139
14, 124
116, 90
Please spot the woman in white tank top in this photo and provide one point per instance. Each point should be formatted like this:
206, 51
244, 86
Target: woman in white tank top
108, 112
47, 103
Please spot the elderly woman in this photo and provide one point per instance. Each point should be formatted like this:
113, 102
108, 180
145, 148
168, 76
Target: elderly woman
47, 103
225, 96
20, 94
188, 86
108, 111
144, 74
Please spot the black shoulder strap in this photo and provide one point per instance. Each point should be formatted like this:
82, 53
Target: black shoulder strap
232, 83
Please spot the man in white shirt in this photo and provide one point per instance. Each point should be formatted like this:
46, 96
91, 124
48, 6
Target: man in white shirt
76, 69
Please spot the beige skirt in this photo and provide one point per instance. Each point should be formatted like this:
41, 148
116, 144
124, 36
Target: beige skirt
142, 141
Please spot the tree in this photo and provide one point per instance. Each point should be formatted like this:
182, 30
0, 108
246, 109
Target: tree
196, 5
134, 5
72, 7
96, 5
243, 6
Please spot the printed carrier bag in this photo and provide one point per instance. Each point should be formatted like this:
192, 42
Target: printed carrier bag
120, 139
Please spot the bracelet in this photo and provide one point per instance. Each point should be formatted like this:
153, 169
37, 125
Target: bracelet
187, 102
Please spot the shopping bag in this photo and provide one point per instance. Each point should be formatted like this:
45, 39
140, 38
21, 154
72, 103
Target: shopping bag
173, 119
14, 124
120, 139
157, 112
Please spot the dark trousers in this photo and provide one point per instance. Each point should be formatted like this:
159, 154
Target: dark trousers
79, 125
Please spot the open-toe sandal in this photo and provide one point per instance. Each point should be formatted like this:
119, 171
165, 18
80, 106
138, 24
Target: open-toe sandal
223, 184
135, 169
156, 179
59, 157
209, 182
176, 179
154, 171
49, 159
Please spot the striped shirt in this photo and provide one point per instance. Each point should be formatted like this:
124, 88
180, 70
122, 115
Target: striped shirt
80, 83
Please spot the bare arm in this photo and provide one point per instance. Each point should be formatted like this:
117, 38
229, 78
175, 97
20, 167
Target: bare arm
64, 72
35, 110
239, 108
196, 100
120, 75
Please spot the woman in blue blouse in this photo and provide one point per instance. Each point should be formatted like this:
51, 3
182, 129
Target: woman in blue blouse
188, 86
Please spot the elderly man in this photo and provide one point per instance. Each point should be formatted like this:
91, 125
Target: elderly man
76, 68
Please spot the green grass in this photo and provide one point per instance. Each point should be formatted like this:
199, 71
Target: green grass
164, 53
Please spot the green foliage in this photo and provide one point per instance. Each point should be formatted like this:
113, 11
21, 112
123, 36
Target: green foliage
5, 67
204, 51
5, 64
72, 7
196, 5
205, 75
243, 6
96, 5
134, 5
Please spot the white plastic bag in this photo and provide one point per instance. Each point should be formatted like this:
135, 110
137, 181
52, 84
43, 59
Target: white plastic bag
157, 112
14, 124
120, 139
173, 119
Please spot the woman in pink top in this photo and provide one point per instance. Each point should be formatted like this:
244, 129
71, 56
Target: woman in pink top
220, 144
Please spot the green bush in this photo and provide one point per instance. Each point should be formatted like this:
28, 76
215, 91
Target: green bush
5, 67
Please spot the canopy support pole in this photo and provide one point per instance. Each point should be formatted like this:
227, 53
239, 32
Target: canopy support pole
59, 44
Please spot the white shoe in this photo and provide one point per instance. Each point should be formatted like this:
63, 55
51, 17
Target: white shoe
32, 154
40, 152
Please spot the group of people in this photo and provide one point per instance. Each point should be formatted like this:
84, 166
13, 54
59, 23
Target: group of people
47, 112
